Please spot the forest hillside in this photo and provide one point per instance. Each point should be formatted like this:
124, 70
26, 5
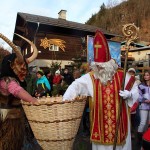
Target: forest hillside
112, 17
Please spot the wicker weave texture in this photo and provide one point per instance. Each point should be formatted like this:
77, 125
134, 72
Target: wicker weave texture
55, 131
55, 125
59, 145
51, 113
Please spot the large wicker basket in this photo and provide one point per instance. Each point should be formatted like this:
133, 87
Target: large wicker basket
55, 122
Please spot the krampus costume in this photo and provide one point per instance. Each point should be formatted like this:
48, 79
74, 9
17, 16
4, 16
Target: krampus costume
13, 72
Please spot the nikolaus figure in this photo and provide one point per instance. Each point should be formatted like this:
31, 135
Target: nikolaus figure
14, 69
103, 86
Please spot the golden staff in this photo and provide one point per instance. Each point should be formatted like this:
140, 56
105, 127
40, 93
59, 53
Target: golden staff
130, 32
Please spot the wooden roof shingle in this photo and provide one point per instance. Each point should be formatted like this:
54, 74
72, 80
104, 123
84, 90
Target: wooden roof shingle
61, 23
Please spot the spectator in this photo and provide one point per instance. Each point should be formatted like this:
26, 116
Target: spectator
76, 74
31, 80
135, 66
57, 78
42, 85
144, 100
133, 111
50, 77
85, 68
67, 77
133, 72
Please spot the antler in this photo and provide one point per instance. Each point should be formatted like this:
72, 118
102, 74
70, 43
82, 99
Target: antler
16, 49
35, 51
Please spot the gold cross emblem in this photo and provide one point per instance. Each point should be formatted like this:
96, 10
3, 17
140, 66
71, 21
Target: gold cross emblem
97, 46
96, 134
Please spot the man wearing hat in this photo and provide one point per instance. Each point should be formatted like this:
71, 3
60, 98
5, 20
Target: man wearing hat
103, 86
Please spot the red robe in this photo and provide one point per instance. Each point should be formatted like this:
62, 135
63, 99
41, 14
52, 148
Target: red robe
104, 111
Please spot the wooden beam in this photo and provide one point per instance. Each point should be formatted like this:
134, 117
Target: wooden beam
140, 49
20, 28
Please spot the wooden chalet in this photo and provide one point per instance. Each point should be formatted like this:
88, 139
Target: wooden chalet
55, 39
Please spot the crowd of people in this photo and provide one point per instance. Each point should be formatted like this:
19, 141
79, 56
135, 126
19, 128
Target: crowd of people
48, 83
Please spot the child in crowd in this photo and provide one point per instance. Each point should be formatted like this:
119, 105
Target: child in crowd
42, 85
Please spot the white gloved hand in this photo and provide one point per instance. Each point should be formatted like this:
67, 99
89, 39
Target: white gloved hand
125, 94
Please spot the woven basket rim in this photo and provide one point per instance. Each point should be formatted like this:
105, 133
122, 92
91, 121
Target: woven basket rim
70, 139
56, 121
54, 103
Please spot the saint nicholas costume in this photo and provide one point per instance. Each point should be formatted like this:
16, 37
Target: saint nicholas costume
104, 100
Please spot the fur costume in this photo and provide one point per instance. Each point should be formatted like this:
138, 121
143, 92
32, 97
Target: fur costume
12, 84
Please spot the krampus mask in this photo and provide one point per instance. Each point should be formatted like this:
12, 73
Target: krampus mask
15, 65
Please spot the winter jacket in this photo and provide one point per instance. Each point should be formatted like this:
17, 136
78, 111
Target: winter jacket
42, 86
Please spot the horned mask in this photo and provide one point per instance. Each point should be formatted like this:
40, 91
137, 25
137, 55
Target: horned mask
19, 64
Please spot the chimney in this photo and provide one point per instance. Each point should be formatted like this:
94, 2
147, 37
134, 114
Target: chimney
62, 14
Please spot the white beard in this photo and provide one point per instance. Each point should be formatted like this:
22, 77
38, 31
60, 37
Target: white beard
106, 74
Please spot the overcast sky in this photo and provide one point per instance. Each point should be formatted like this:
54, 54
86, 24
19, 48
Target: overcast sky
77, 11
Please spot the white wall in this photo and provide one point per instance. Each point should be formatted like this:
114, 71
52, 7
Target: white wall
47, 63
141, 56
